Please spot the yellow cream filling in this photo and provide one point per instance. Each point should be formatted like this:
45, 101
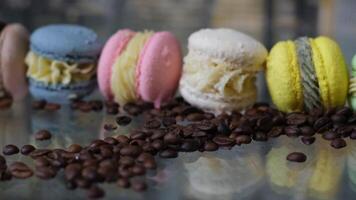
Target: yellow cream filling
124, 69
57, 72
219, 78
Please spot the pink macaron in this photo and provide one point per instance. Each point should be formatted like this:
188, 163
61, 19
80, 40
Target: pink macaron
155, 67
13, 48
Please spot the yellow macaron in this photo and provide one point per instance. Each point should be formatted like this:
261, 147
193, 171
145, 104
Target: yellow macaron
307, 73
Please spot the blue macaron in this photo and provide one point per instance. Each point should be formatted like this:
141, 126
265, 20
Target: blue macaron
56, 51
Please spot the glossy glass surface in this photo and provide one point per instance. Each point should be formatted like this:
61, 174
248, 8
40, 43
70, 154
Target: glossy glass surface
255, 171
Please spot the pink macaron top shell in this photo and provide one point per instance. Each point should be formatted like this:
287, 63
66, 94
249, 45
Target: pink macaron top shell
159, 68
13, 48
112, 49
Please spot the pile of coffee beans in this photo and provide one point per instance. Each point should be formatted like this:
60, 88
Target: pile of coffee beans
176, 127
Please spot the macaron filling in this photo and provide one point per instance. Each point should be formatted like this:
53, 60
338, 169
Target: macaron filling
123, 78
55, 72
309, 80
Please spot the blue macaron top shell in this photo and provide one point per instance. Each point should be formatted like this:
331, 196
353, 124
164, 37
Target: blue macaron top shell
65, 42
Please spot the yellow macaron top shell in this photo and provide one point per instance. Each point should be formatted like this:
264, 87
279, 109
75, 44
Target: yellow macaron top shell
283, 77
331, 71
124, 69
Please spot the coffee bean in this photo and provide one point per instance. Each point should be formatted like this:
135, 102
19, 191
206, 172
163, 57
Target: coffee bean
322, 124
85, 107
292, 131
43, 135
296, 119
96, 105
41, 162
138, 185
20, 170
152, 124
126, 161
171, 138
353, 135
157, 144
138, 170
2, 160
132, 109
72, 171
278, 120
130, 150
111, 140
74, 148
122, 139
344, 131
125, 171
168, 121
52, 106
243, 139
82, 183
308, 140
123, 120
306, 131
199, 134
39, 152
110, 127
223, 128
338, 143
260, 136
45, 172
90, 174
27, 149
189, 145
297, 157
168, 153
346, 111
137, 135
206, 125
264, 123
330, 135
123, 182
95, 192
339, 119
38, 105
5, 103
112, 110
10, 149
275, 132
210, 146
223, 140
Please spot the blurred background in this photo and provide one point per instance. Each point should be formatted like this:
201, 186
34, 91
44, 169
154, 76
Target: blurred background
266, 20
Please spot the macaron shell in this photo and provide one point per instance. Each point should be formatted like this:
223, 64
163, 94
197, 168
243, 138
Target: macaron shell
283, 77
14, 47
112, 49
159, 68
331, 71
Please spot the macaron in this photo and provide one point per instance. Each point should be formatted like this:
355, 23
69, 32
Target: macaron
220, 69
307, 73
352, 87
140, 66
62, 62
13, 49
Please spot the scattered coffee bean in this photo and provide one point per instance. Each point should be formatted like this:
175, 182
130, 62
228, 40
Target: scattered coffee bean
168, 153
20, 170
43, 135
95, 192
10, 149
110, 127
27, 149
243, 139
297, 157
74, 148
45, 172
123, 120
308, 140
210, 146
330, 135
338, 143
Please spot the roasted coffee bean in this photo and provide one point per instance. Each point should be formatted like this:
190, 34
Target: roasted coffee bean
264, 123
296, 119
82, 183
338, 143
353, 135
297, 157
222, 140
308, 140
130, 150
41, 162
95, 192
112, 110
137, 135
171, 138
106, 151
147, 147
138, 170
43, 135
157, 134
45, 172
138, 185
97, 143
90, 173
122, 139
38, 105
152, 124
322, 124
168, 153
330, 135
85, 107
132, 109
344, 131
125, 171
346, 111
306, 131
5, 102
189, 145
74, 148
20, 170
210, 146
27, 149
110, 127
223, 128
275, 132
137, 142
168, 121
243, 130
96, 105
123, 120
157, 144
278, 120
199, 134
339, 119
194, 117
144, 156
52, 106
111, 140
126, 161
259, 136
39, 152
292, 131
2, 160
123, 182
243, 139
10, 149
72, 171
150, 164
206, 126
